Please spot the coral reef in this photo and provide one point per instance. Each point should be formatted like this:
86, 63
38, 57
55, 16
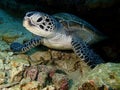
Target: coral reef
17, 72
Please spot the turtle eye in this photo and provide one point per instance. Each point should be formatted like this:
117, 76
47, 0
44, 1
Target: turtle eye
39, 19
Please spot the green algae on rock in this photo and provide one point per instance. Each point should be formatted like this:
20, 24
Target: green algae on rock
11, 36
105, 74
2, 77
4, 46
40, 57
17, 69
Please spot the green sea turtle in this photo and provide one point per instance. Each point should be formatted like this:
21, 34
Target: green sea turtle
61, 31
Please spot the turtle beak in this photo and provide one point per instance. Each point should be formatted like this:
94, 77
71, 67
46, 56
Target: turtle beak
27, 22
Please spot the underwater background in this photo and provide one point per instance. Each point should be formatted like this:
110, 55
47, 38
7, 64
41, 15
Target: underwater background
44, 69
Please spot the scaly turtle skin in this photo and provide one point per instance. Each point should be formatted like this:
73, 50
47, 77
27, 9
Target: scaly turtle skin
61, 31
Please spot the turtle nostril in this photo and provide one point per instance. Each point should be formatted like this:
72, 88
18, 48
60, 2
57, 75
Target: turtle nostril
30, 22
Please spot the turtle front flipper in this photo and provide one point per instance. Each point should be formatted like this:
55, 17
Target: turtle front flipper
22, 48
85, 52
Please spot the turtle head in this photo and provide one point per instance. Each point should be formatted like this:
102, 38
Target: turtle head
40, 24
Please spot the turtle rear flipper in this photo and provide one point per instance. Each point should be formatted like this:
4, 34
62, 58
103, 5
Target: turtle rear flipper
85, 52
22, 48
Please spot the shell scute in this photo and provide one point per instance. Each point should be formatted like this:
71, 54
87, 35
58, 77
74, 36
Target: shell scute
84, 29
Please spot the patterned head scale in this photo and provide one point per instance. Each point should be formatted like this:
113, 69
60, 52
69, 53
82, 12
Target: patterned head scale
39, 23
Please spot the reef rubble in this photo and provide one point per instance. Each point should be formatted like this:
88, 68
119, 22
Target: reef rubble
17, 73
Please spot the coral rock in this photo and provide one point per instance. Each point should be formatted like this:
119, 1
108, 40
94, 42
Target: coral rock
42, 76
2, 77
105, 74
31, 72
60, 81
50, 87
40, 56
17, 68
33, 85
4, 46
